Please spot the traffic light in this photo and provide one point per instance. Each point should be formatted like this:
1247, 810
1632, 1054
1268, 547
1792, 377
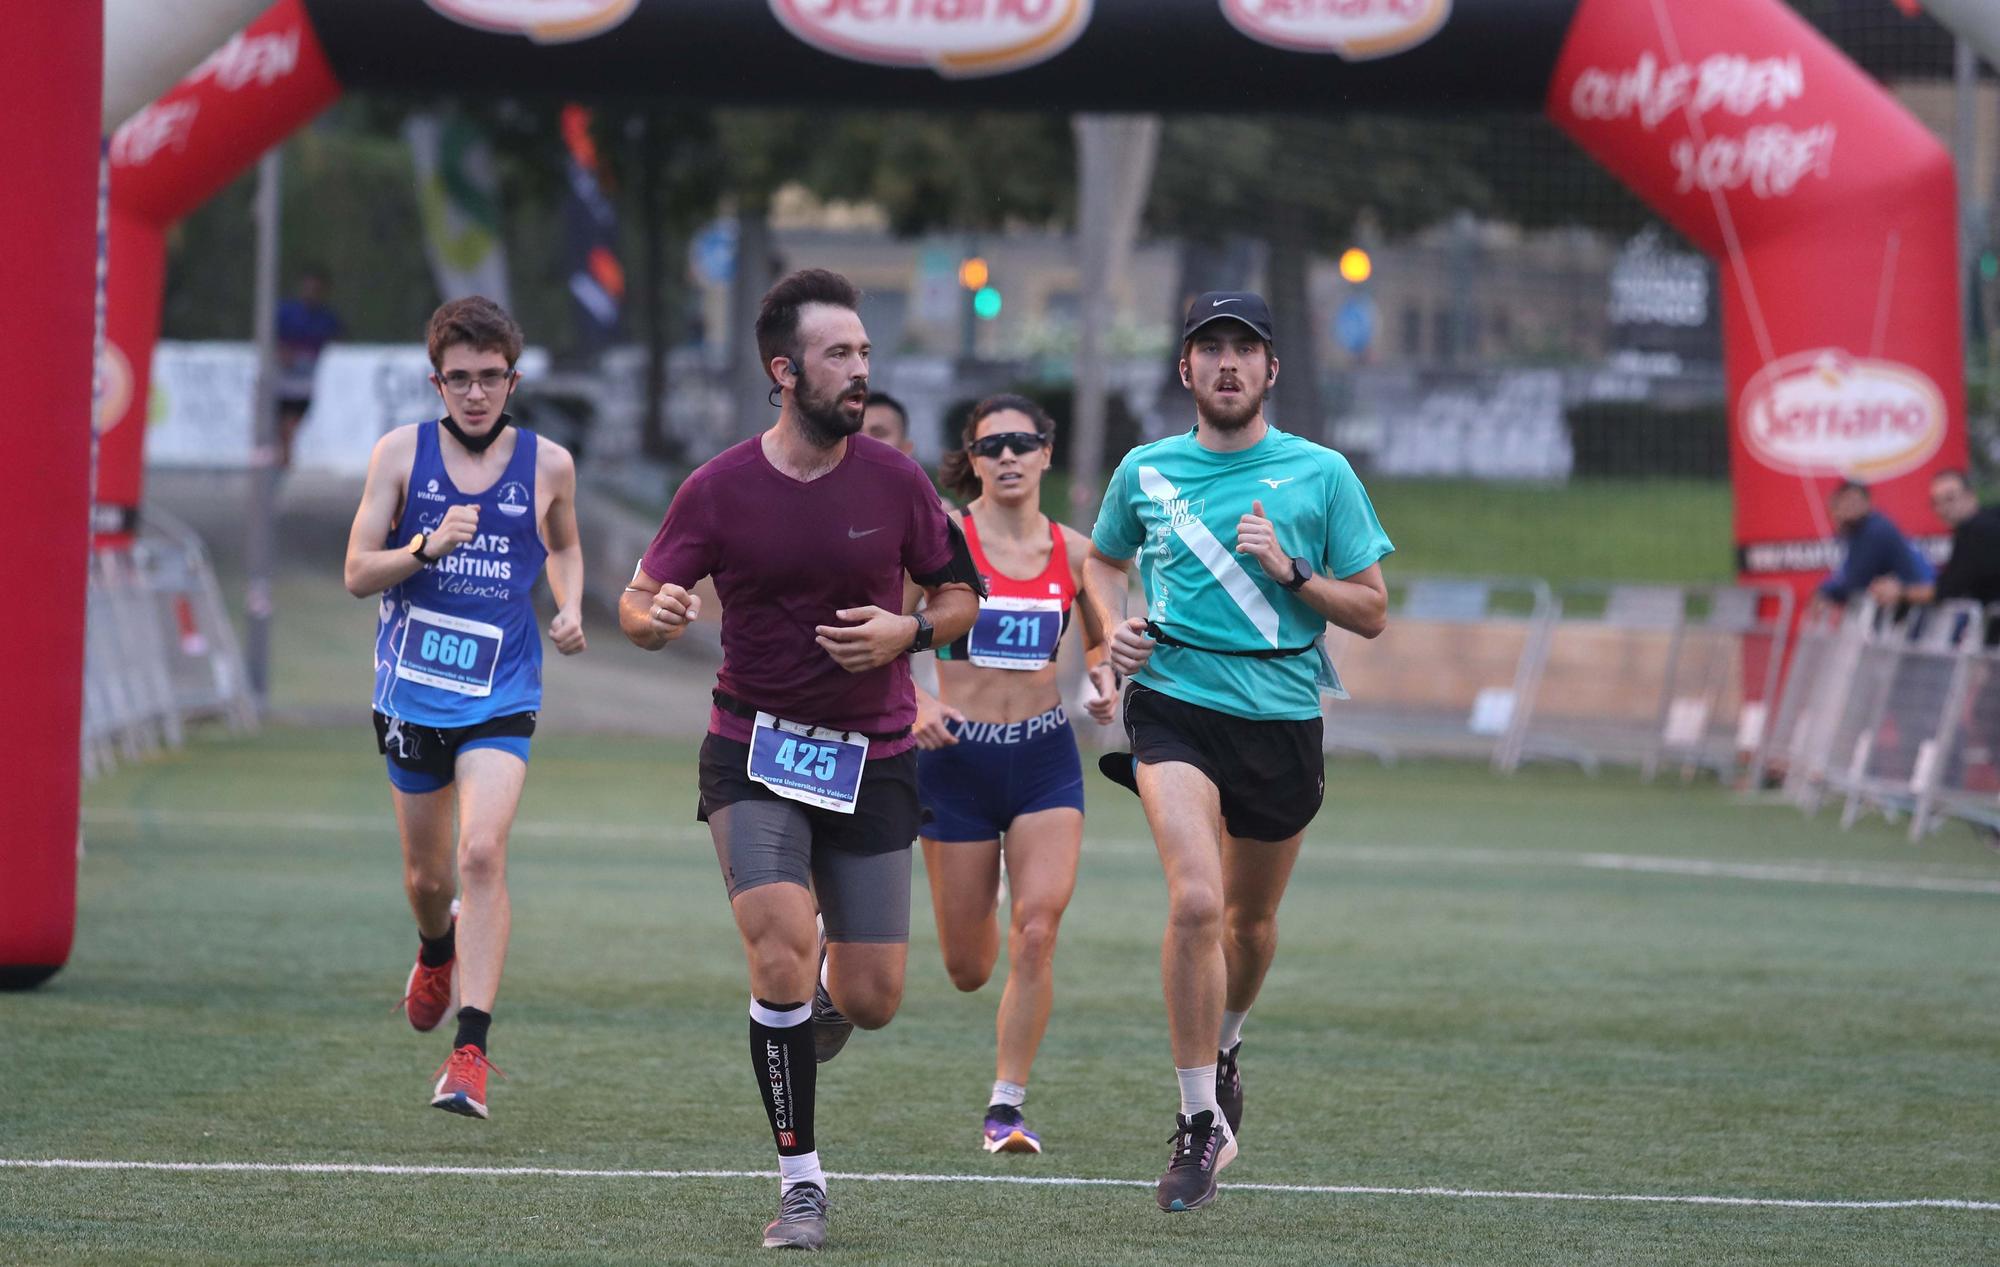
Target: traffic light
975, 276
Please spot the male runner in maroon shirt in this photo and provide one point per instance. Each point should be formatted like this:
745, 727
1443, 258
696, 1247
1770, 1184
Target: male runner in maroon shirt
808, 773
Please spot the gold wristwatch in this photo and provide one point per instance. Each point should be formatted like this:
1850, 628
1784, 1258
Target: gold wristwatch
416, 547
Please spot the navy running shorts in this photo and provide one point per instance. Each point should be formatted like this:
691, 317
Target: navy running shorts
995, 773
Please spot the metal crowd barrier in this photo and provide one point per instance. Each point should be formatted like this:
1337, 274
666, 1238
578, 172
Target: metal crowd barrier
1450, 674
1658, 675
1719, 688
159, 650
1509, 670
1891, 713
1961, 779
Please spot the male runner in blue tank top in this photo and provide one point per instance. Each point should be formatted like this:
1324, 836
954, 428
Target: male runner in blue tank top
809, 771
1248, 542
456, 520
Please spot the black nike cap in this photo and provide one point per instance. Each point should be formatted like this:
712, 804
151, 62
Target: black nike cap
1237, 305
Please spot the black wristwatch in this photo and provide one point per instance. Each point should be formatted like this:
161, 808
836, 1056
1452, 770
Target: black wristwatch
1302, 572
922, 642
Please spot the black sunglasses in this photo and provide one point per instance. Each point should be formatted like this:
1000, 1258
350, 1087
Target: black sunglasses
1018, 441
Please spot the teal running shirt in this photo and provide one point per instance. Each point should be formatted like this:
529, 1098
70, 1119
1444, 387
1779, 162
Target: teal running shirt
1175, 505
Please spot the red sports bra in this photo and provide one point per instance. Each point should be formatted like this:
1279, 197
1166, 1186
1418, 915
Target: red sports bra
1020, 621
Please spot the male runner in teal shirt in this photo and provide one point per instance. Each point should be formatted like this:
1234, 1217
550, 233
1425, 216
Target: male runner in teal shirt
1248, 540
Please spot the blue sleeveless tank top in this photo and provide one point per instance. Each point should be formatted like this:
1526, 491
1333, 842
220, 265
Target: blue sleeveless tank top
458, 643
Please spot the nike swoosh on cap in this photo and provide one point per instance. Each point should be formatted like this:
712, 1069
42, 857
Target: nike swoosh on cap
1218, 303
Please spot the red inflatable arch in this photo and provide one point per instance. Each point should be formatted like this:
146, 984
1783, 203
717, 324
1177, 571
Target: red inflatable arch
1830, 209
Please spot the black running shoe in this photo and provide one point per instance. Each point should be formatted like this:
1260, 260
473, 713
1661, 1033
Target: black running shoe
801, 1221
1202, 1147
831, 1030
1229, 1087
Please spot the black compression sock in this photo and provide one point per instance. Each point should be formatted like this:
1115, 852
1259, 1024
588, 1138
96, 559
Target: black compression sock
436, 952
472, 1025
783, 1059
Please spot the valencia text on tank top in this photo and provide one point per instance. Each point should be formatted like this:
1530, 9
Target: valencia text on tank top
458, 643
1020, 622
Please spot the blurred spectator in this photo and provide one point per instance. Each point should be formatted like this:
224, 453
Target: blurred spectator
1973, 570
306, 324
885, 419
1877, 558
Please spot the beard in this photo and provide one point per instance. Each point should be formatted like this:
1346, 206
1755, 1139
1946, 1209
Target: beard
821, 417
1226, 413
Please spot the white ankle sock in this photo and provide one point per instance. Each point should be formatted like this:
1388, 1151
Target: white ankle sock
804, 1168
1232, 1029
1198, 1091
1009, 1093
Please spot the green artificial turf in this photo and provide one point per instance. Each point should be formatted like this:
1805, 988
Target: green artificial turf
1457, 1003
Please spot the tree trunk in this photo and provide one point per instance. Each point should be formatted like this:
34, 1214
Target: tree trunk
1297, 397
1114, 158
750, 381
654, 440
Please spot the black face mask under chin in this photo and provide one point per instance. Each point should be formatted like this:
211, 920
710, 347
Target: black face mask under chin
475, 444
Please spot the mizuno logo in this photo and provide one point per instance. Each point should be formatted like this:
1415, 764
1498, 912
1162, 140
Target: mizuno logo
1274, 483
1218, 303
852, 535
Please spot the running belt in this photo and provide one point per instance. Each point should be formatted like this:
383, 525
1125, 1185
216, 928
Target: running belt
1164, 638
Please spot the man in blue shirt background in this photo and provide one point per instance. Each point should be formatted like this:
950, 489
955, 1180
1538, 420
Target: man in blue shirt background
1877, 559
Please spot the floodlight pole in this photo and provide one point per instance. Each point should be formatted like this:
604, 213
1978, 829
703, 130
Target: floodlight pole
261, 530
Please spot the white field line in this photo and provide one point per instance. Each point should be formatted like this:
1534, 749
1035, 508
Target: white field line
1049, 1181
1805, 872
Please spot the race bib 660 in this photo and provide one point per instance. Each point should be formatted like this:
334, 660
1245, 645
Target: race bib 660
449, 652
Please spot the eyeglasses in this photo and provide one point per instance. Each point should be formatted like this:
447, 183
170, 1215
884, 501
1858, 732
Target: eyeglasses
459, 382
1017, 441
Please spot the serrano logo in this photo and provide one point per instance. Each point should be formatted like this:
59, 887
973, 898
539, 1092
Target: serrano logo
1822, 412
543, 21
956, 38
1356, 29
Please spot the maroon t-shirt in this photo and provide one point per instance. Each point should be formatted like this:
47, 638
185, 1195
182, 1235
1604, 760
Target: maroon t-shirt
786, 555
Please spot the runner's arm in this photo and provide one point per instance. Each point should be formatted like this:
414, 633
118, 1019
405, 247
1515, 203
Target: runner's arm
565, 553
653, 613
1106, 587
369, 568
1357, 603
1079, 548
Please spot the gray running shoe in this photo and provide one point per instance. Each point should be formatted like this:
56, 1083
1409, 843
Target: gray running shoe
1229, 1087
801, 1221
1202, 1147
831, 1030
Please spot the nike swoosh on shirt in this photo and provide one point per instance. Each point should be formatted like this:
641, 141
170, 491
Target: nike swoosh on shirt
856, 536
1274, 483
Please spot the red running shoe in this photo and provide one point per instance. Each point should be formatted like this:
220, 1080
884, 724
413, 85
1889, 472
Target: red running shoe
427, 994
461, 1084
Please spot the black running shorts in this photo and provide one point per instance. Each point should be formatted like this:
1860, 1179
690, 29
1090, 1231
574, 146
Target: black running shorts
1271, 774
